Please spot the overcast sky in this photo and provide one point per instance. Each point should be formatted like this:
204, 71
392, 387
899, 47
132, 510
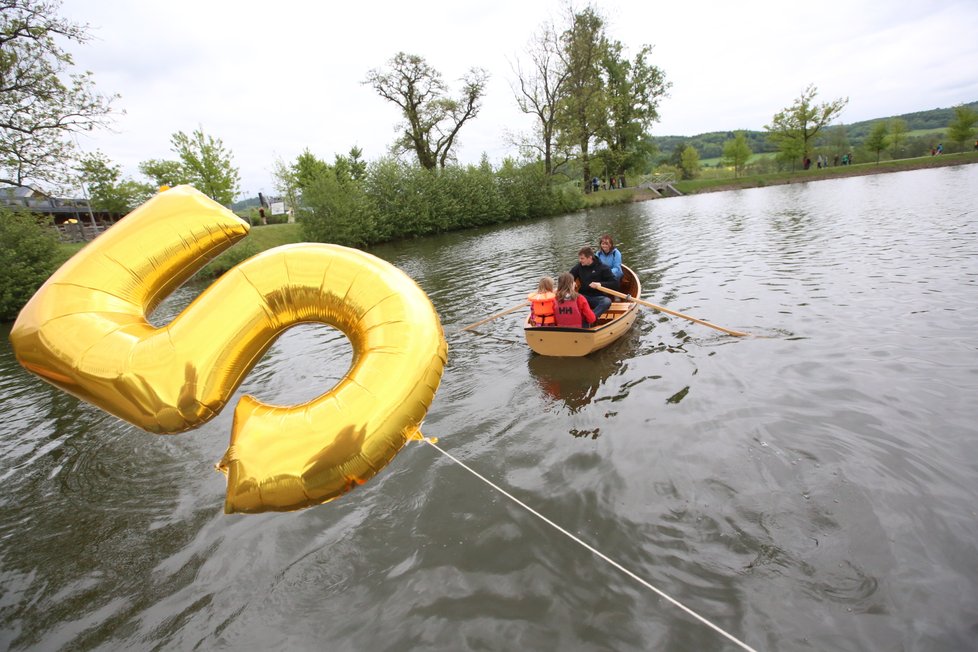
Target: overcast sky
271, 79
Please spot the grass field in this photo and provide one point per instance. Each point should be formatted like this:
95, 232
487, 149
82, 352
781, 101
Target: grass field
694, 186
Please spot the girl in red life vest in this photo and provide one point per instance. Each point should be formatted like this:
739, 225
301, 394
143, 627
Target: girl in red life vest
572, 308
543, 306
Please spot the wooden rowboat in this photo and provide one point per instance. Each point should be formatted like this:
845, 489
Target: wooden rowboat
576, 342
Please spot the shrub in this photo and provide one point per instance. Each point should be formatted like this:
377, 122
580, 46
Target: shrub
28, 256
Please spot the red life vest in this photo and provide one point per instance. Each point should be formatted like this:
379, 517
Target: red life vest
568, 314
543, 308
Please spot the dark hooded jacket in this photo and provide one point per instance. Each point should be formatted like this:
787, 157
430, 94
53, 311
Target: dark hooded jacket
596, 271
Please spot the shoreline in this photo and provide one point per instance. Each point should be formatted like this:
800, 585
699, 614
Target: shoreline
824, 174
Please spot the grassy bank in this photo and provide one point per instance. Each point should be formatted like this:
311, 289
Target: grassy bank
694, 186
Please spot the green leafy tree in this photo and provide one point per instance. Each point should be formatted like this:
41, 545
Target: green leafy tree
308, 169
43, 101
432, 119
107, 190
356, 166
793, 129
877, 140
689, 162
336, 210
961, 129
838, 142
28, 255
633, 91
209, 167
898, 136
164, 173
583, 109
736, 153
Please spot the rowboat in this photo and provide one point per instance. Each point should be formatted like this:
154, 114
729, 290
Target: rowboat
577, 342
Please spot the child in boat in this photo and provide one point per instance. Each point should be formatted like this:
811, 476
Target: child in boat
572, 308
542, 306
609, 255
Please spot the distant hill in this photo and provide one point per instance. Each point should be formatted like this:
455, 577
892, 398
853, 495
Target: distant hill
710, 144
245, 204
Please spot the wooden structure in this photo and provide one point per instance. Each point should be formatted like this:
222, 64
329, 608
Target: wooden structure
74, 218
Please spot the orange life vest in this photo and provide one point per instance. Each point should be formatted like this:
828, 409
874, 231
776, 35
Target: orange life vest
543, 308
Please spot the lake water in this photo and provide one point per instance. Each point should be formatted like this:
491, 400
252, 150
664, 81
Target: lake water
811, 488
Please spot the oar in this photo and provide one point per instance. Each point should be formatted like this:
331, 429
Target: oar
498, 314
621, 295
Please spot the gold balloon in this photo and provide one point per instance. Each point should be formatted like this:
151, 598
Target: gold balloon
85, 331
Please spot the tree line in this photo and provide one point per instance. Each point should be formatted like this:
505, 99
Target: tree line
710, 144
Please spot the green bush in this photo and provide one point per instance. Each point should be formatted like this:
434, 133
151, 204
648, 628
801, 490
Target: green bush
28, 255
399, 200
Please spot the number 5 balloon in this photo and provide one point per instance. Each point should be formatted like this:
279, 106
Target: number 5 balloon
85, 331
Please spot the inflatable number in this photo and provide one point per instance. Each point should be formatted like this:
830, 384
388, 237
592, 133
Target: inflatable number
86, 332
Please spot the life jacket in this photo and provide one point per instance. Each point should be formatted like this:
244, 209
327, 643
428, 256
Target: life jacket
543, 308
568, 314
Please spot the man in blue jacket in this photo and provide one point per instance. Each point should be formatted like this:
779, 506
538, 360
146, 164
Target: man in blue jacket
592, 273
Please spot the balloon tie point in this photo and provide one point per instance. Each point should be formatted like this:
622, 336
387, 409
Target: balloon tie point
417, 436
432, 441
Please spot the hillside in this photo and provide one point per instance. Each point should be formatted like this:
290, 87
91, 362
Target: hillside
710, 144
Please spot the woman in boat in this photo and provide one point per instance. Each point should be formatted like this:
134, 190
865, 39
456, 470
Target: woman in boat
572, 308
609, 255
542, 304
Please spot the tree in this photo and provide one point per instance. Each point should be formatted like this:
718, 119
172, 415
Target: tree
164, 173
898, 135
42, 101
28, 256
583, 108
838, 139
876, 140
736, 153
633, 91
354, 163
208, 165
107, 191
793, 129
433, 120
961, 129
540, 90
307, 169
689, 162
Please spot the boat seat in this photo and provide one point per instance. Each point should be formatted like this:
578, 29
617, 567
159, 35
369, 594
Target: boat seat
620, 306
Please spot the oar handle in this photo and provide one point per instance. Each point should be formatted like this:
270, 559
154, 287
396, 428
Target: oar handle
654, 306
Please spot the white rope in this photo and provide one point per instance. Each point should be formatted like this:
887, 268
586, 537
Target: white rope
589, 547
